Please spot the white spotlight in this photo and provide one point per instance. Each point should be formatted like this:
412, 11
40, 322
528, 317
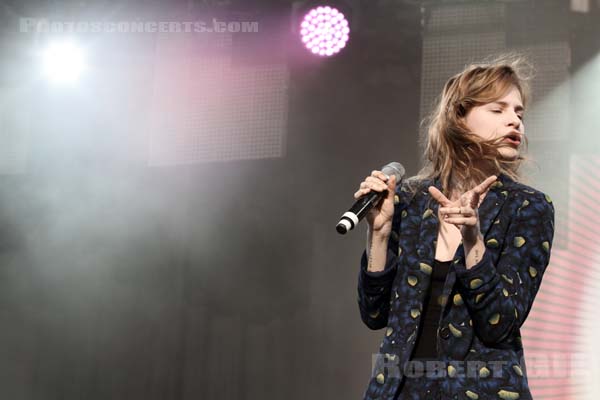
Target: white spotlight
63, 62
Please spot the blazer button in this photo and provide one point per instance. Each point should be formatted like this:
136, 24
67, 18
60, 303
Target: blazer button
445, 333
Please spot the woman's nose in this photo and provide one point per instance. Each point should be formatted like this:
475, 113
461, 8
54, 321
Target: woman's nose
514, 121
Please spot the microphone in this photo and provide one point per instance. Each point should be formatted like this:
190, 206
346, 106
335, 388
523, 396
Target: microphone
362, 206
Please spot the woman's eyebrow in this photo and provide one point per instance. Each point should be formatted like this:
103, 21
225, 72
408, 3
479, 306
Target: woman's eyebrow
505, 104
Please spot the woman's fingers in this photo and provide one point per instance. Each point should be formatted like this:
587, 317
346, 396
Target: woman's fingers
461, 211
377, 182
483, 186
471, 198
380, 175
460, 221
439, 196
361, 193
459, 216
465, 212
391, 186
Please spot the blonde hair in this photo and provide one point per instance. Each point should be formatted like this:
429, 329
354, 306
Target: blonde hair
453, 153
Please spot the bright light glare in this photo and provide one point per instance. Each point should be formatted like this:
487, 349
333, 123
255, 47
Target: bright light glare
324, 31
63, 62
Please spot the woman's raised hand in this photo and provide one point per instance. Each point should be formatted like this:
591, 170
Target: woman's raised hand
379, 217
463, 212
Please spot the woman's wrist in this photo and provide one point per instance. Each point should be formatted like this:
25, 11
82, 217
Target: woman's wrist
382, 234
474, 252
377, 243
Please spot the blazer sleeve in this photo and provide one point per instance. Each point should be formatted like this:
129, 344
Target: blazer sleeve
374, 291
499, 297
375, 288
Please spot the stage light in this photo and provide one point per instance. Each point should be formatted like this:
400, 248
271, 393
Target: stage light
63, 62
324, 31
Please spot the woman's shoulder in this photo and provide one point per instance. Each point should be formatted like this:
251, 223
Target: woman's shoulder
522, 188
415, 184
523, 193
411, 188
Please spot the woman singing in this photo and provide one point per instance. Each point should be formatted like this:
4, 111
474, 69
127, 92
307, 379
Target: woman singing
456, 255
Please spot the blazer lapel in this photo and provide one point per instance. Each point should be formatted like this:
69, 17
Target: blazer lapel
429, 224
492, 203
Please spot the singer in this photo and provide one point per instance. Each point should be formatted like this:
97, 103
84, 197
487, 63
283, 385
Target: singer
456, 255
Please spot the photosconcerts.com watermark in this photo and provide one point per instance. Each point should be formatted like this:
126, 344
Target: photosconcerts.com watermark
44, 25
556, 365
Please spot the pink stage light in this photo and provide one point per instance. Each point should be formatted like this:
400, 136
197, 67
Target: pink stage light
324, 31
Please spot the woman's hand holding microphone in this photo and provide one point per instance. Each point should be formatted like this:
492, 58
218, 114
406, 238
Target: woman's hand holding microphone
379, 218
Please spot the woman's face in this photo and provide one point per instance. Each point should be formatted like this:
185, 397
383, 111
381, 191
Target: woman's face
500, 119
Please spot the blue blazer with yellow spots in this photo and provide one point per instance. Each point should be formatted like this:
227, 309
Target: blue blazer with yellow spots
478, 337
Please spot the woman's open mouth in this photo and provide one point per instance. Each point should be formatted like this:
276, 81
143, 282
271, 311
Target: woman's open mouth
513, 139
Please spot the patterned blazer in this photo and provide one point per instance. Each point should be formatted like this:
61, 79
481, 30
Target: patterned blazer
478, 339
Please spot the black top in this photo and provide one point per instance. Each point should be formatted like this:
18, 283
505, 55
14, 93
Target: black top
432, 308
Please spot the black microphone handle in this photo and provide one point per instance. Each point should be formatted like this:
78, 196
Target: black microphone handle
360, 208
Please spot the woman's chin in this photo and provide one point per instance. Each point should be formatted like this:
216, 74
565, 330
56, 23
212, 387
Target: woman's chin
508, 153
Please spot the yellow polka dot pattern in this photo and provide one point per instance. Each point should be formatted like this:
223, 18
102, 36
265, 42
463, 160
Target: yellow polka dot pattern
546, 246
508, 395
475, 283
518, 370
451, 371
455, 332
472, 395
493, 243
457, 300
484, 372
494, 319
